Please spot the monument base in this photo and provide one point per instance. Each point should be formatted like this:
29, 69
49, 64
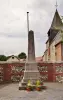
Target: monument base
31, 73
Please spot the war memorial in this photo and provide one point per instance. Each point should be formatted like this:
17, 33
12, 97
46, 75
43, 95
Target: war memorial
31, 69
31, 72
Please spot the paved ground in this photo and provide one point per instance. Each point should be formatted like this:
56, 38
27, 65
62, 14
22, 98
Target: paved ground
3, 85
11, 92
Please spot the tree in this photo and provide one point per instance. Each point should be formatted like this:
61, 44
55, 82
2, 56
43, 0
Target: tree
3, 58
22, 55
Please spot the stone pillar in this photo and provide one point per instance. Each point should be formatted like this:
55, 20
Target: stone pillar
31, 69
31, 46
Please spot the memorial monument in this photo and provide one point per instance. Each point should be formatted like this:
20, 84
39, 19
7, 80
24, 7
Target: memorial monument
31, 69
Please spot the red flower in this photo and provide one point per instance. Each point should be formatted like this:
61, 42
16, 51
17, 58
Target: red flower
38, 89
28, 89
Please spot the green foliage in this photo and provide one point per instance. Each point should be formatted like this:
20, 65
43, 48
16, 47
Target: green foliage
3, 58
29, 83
38, 83
22, 55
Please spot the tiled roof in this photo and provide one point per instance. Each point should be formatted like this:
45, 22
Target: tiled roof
57, 22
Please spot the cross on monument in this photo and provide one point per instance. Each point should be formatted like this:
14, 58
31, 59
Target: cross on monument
56, 4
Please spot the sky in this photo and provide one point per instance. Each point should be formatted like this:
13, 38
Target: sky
13, 24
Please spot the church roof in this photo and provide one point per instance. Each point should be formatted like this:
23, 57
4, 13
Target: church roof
57, 22
52, 33
56, 26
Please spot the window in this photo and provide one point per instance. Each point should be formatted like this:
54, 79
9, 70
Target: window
12, 57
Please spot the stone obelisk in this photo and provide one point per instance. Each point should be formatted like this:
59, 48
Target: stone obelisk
31, 69
31, 46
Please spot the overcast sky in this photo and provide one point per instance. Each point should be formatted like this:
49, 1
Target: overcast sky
13, 24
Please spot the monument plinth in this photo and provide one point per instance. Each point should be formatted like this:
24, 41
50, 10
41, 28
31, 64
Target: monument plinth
31, 69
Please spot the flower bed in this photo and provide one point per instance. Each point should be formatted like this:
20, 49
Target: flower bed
38, 86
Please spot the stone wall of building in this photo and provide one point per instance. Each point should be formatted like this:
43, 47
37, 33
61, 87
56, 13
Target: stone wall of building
52, 52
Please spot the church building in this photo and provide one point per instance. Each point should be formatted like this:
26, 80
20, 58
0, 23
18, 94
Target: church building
54, 44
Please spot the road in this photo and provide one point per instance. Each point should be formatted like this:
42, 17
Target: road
10, 92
